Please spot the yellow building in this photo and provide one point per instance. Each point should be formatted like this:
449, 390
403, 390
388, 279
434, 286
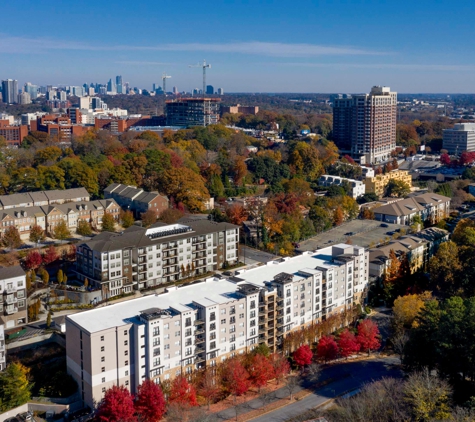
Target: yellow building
377, 183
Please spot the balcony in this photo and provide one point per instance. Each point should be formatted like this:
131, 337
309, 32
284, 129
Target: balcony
11, 289
200, 348
11, 310
200, 340
10, 300
199, 359
199, 321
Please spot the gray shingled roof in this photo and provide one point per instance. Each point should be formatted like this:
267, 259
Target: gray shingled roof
10, 272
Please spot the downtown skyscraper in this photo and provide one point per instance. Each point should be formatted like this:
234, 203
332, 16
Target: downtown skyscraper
10, 91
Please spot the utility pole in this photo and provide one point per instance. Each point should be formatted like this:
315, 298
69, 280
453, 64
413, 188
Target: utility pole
164, 80
204, 66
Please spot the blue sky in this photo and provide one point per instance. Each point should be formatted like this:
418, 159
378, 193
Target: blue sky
253, 46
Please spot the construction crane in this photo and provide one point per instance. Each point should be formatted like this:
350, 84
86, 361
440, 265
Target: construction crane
164, 79
204, 66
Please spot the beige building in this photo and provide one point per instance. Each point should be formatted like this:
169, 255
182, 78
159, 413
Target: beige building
13, 303
377, 184
187, 328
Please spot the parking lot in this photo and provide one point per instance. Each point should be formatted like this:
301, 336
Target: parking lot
361, 232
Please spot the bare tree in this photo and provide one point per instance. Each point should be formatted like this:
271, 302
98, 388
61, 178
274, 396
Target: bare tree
291, 384
313, 372
399, 343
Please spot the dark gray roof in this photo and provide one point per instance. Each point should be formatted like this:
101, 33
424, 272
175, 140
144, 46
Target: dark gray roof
10, 272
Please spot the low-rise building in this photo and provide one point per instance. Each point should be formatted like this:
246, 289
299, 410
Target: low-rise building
143, 257
188, 328
358, 188
13, 303
13, 134
58, 127
378, 183
48, 197
135, 199
460, 138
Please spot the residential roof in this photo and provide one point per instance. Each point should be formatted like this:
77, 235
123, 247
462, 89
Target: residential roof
17, 199
10, 272
405, 207
430, 198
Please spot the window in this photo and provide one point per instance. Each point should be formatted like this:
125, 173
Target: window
241, 316
126, 353
103, 359
223, 311
177, 323
126, 343
102, 348
166, 326
177, 333
103, 380
126, 382
103, 388
223, 321
103, 369
126, 363
125, 332
102, 338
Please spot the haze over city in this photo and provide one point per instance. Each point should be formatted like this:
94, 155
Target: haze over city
259, 46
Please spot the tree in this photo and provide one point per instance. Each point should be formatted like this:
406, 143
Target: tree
11, 238
347, 343
236, 214
44, 276
171, 215
116, 406
86, 283
406, 308
37, 234
33, 260
445, 267
338, 216
260, 370
48, 320
149, 404
208, 386
327, 348
281, 366
368, 335
182, 392
84, 228
127, 218
291, 384
149, 217
303, 356
50, 255
60, 276
397, 188
108, 222
61, 230
15, 388
234, 377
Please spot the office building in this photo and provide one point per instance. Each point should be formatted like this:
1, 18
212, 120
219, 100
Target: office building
26, 118
364, 125
175, 90
32, 90
111, 87
209, 90
59, 128
239, 109
220, 91
142, 257
188, 328
460, 138
10, 91
377, 184
62, 96
118, 84
13, 134
13, 303
192, 112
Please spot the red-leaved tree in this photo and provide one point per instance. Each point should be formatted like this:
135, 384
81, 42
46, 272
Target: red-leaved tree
50, 255
281, 366
303, 356
327, 348
33, 260
260, 370
348, 344
208, 386
182, 392
368, 335
116, 406
150, 404
445, 159
235, 377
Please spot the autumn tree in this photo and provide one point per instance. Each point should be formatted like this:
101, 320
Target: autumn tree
60, 276
11, 238
149, 404
37, 234
84, 228
260, 370
236, 214
127, 219
149, 217
368, 335
108, 222
445, 267
397, 188
182, 392
48, 320
338, 216
33, 260
50, 255
303, 356
347, 343
234, 377
281, 366
15, 388
208, 386
406, 308
171, 215
327, 348
61, 231
117, 405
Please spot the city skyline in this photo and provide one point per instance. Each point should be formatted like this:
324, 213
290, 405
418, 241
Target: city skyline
253, 47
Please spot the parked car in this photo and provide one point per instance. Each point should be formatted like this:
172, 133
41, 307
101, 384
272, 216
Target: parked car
384, 225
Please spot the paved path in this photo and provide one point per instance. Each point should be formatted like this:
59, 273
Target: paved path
347, 376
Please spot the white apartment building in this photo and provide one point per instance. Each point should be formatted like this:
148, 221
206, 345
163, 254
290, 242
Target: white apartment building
358, 188
13, 305
187, 328
143, 257
460, 138
3, 349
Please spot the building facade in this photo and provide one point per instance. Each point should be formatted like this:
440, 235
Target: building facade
187, 328
364, 125
13, 134
47, 197
13, 303
3, 349
10, 91
460, 138
358, 188
192, 111
377, 184
144, 257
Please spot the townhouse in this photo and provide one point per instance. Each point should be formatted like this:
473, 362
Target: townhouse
40, 198
194, 326
13, 303
144, 257
136, 200
48, 216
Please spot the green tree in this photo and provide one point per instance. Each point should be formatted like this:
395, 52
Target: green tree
61, 231
397, 188
50, 178
15, 388
84, 228
79, 174
108, 222
37, 234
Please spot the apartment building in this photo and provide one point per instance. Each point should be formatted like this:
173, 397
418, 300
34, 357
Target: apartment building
135, 199
3, 349
48, 216
143, 257
427, 206
13, 304
358, 188
364, 125
187, 328
36, 199
377, 184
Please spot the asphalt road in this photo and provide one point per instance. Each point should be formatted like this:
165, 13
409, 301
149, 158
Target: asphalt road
347, 377
253, 256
